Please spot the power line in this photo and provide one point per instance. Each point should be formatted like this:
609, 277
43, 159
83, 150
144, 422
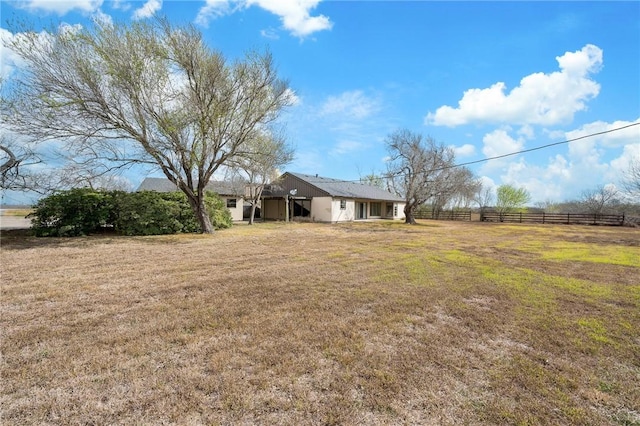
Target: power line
545, 146
510, 154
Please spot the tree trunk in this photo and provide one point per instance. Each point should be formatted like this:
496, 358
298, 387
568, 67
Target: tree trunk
253, 212
201, 214
204, 220
10, 163
408, 215
254, 203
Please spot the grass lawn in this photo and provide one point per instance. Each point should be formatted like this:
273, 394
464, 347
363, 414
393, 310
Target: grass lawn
16, 212
361, 323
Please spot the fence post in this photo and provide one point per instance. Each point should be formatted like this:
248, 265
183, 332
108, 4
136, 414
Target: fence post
568, 219
543, 218
520, 217
622, 223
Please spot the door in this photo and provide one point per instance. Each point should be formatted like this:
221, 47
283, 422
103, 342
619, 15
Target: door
361, 210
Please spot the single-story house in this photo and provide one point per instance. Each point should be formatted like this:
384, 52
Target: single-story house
231, 193
328, 200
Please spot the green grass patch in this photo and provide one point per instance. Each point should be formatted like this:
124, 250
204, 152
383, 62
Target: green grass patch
577, 287
595, 253
595, 329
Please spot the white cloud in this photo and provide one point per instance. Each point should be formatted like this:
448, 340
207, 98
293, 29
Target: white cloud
295, 15
8, 59
270, 33
621, 164
540, 98
345, 147
542, 182
499, 143
527, 131
558, 168
121, 5
148, 9
211, 10
589, 162
60, 7
465, 150
609, 139
103, 18
354, 104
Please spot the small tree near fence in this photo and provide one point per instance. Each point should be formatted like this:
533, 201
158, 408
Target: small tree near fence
510, 199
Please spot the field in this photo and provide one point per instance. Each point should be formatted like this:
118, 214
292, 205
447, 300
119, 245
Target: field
363, 323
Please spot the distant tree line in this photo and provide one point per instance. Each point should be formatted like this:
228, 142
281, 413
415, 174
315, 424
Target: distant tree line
425, 174
598, 200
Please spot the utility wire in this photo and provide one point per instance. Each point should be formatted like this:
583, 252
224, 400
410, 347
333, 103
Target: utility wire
542, 146
537, 148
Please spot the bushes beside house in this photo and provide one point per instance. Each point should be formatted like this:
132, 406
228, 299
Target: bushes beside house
86, 211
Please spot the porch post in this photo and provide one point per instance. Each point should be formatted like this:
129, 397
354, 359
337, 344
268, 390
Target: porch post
286, 208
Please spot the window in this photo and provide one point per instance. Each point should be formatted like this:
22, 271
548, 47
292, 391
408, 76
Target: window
301, 208
375, 209
389, 210
343, 204
231, 203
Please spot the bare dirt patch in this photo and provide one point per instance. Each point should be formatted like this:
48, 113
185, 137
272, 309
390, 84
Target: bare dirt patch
363, 323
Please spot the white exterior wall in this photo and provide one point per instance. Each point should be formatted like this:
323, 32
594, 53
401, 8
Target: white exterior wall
398, 209
327, 209
321, 209
237, 211
346, 215
400, 214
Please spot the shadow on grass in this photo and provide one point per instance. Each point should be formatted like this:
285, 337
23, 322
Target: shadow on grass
21, 239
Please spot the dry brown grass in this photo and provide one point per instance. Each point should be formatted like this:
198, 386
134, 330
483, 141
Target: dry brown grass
16, 212
363, 323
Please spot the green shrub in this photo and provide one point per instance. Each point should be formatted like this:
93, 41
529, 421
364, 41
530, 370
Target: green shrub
71, 213
218, 212
85, 211
146, 213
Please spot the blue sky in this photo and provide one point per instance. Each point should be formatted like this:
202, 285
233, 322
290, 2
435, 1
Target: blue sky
486, 78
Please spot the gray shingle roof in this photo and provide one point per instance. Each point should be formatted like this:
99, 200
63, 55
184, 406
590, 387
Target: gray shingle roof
165, 185
340, 188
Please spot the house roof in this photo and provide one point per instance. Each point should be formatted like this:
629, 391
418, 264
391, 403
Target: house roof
165, 185
345, 189
314, 185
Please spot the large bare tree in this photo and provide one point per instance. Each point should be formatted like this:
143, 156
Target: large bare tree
456, 190
259, 163
483, 196
599, 199
15, 171
146, 93
631, 179
420, 169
